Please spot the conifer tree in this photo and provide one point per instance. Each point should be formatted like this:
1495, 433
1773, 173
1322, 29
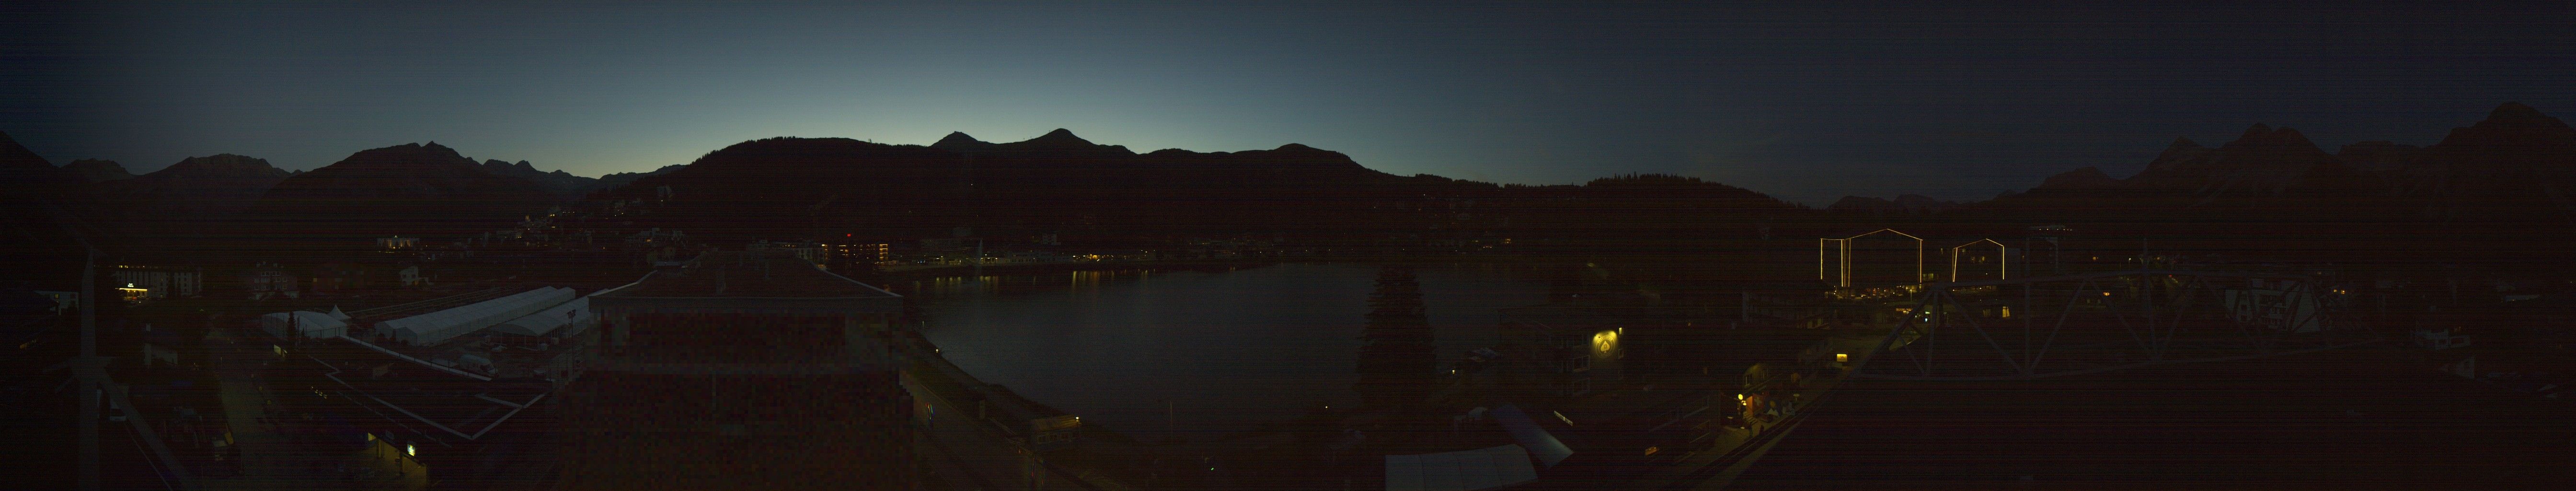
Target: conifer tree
1397, 357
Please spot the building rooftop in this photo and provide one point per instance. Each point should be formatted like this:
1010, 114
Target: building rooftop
746, 274
431, 400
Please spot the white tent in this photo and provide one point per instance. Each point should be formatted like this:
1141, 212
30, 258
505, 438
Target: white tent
1464, 470
437, 327
575, 313
1544, 446
302, 323
337, 314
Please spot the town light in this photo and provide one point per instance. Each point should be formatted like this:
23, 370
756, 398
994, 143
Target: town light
1842, 357
411, 450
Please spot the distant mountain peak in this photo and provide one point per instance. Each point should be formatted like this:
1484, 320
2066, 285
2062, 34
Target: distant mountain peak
1295, 146
1059, 137
2515, 111
2183, 143
222, 162
2292, 136
96, 170
15, 156
2516, 115
1059, 141
957, 140
2513, 125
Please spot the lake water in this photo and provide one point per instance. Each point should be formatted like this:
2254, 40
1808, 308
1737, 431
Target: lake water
1227, 350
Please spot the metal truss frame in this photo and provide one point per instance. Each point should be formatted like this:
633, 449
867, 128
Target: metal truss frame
2106, 321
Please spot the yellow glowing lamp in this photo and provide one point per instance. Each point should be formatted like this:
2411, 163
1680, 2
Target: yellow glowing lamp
1605, 341
411, 450
1842, 357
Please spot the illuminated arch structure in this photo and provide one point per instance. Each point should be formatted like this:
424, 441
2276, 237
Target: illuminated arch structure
1870, 260
2036, 327
1983, 259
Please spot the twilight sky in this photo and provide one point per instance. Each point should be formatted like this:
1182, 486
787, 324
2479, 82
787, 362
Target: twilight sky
1804, 101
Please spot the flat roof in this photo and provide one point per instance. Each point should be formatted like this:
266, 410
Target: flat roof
746, 274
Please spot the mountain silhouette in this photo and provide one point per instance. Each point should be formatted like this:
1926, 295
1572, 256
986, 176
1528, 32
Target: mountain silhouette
612, 181
411, 189
189, 200
1057, 181
2500, 187
95, 170
2505, 180
22, 167
563, 185
960, 142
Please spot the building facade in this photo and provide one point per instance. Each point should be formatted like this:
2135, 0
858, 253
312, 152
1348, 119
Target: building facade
154, 283
740, 370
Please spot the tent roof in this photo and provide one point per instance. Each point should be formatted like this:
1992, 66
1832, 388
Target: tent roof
436, 327
545, 321
1544, 446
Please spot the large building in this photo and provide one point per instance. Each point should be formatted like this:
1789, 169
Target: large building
1878, 259
464, 402
740, 370
142, 283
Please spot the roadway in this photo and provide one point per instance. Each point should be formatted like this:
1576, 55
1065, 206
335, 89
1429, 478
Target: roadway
959, 451
2365, 417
